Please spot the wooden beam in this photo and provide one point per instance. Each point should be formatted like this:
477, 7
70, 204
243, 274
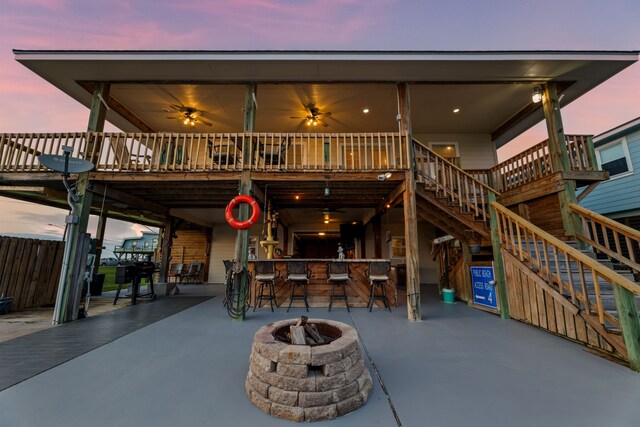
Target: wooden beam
121, 109
242, 239
167, 239
189, 218
102, 225
629, 322
392, 199
21, 189
161, 176
498, 262
410, 211
78, 221
111, 193
377, 236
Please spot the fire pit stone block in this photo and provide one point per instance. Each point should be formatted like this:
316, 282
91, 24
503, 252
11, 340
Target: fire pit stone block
295, 371
307, 383
295, 355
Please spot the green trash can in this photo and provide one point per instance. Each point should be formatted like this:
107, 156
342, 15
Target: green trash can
448, 295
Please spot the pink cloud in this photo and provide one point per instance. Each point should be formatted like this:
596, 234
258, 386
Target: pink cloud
55, 5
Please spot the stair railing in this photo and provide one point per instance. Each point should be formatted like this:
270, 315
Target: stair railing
609, 237
535, 163
566, 269
448, 180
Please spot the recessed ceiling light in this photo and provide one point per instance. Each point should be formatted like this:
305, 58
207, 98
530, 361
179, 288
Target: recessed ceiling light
326, 221
456, 110
321, 233
297, 197
366, 110
388, 206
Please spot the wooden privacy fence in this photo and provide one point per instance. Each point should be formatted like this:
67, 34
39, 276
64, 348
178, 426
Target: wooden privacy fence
198, 152
557, 287
30, 271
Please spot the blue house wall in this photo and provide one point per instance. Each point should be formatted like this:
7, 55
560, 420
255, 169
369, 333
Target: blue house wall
622, 194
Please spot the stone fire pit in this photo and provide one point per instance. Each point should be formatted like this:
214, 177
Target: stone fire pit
307, 382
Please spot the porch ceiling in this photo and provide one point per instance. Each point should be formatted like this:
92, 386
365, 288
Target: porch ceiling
492, 89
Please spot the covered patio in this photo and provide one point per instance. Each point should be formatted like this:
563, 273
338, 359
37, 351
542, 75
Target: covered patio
459, 366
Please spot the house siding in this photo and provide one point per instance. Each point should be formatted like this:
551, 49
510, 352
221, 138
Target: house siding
621, 194
477, 151
223, 246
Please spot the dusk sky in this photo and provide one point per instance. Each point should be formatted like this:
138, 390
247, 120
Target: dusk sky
28, 104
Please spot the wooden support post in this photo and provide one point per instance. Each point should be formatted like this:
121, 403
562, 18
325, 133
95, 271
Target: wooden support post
410, 210
102, 225
78, 220
555, 129
591, 153
629, 322
167, 241
376, 222
498, 264
560, 158
208, 235
466, 261
242, 239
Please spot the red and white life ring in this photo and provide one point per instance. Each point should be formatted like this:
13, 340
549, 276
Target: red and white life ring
255, 212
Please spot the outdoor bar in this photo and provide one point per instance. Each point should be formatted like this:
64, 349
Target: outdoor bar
318, 289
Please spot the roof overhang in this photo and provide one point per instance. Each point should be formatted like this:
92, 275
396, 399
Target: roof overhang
576, 72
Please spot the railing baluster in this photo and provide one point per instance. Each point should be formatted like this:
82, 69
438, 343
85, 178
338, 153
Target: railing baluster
596, 287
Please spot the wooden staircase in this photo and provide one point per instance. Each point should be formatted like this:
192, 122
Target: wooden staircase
566, 290
572, 289
450, 198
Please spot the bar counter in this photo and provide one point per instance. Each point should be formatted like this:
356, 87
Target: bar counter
319, 290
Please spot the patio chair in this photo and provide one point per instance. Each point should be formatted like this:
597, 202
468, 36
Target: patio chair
273, 154
265, 275
378, 275
193, 273
338, 277
298, 275
175, 271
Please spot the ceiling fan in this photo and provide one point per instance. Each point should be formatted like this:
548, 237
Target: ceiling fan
189, 116
326, 210
314, 116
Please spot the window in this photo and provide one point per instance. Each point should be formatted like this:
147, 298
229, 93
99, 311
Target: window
397, 247
614, 158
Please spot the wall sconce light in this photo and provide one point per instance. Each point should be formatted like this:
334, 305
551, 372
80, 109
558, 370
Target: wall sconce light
384, 176
536, 97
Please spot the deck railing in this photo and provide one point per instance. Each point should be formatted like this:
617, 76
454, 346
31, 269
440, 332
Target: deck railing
448, 180
568, 271
615, 240
535, 163
183, 152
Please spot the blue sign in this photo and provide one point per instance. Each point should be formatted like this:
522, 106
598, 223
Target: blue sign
484, 289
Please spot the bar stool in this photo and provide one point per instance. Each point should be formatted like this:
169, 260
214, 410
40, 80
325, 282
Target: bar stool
338, 276
265, 274
298, 275
378, 274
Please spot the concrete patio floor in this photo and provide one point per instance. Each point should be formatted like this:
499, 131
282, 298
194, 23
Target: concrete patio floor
458, 367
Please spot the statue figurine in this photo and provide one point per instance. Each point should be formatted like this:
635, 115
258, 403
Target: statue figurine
252, 254
340, 251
